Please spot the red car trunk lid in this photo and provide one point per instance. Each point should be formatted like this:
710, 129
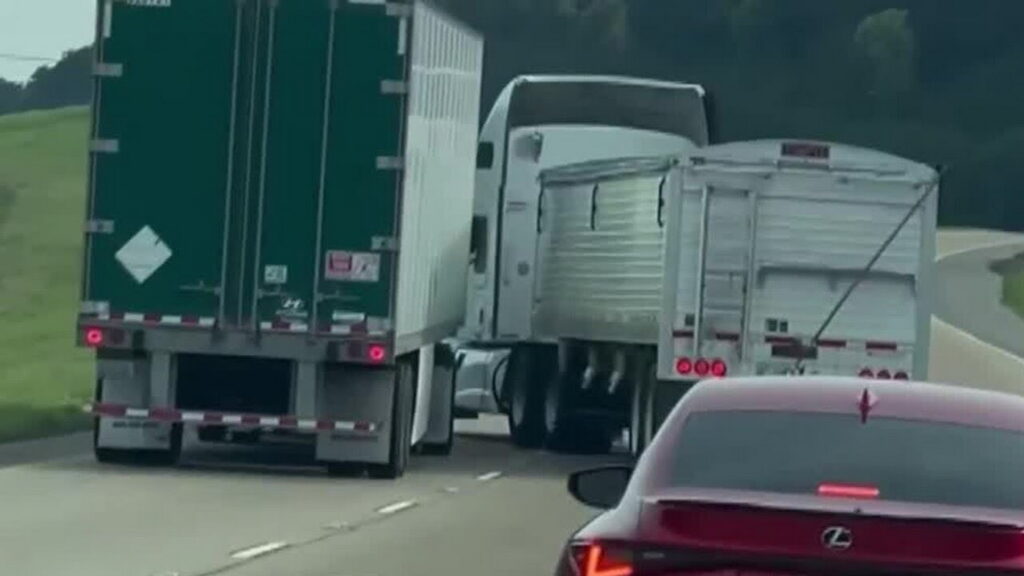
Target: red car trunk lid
829, 531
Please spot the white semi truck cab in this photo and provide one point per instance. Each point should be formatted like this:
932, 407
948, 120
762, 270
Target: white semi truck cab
536, 123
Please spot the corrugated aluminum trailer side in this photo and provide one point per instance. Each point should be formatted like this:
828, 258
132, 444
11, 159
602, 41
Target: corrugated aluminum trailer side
279, 196
746, 258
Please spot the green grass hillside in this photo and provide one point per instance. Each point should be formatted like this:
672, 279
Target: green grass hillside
44, 378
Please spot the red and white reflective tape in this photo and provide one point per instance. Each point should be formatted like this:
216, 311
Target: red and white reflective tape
201, 417
722, 336
857, 345
283, 326
157, 319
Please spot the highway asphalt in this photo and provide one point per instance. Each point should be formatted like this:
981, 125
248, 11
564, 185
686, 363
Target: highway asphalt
262, 511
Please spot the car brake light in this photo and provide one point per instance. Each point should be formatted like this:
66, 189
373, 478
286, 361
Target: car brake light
866, 373
848, 491
884, 374
94, 337
701, 367
684, 366
377, 353
719, 368
596, 560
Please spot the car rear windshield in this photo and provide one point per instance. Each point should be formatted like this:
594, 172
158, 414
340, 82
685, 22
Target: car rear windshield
796, 452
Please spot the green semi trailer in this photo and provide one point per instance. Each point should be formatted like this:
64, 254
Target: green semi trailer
278, 225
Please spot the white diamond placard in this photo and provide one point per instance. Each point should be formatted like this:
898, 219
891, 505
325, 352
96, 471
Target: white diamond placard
143, 255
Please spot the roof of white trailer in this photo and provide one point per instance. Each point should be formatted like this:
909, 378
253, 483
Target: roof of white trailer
839, 156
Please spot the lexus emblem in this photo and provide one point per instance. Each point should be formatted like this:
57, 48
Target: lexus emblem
837, 538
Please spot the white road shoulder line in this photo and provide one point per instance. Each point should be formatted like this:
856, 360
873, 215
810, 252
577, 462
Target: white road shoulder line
250, 553
489, 476
968, 336
396, 507
962, 332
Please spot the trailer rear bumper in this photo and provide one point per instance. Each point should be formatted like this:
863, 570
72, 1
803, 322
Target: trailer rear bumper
261, 421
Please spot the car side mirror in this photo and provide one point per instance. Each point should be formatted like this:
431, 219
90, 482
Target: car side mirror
600, 487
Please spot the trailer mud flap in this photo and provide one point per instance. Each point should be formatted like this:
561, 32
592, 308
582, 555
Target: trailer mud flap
348, 392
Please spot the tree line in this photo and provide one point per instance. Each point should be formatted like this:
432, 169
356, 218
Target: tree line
935, 80
66, 83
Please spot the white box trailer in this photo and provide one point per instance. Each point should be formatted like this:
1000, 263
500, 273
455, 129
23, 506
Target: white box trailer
738, 259
282, 249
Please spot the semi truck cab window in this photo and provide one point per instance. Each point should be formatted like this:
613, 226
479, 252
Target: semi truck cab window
485, 156
478, 244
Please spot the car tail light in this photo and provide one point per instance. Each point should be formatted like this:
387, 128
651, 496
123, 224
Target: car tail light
718, 368
94, 337
684, 366
848, 491
599, 560
377, 353
901, 375
702, 367
866, 373
884, 374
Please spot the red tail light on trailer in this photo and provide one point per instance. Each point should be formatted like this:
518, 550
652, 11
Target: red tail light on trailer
94, 337
884, 374
866, 373
702, 367
901, 375
377, 353
719, 369
684, 366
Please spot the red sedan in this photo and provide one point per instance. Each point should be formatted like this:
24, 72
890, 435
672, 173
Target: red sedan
814, 476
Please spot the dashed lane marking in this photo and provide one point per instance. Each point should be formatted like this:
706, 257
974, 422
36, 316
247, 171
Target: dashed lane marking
396, 507
256, 551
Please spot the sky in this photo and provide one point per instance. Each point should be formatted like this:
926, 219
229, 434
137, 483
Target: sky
41, 29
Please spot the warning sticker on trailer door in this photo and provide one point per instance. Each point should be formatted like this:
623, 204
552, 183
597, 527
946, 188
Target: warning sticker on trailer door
352, 266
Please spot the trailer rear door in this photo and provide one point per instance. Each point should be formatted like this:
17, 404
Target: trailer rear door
160, 139
246, 162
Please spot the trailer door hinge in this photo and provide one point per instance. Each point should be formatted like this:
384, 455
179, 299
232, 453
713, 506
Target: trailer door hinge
394, 87
105, 146
398, 10
384, 244
107, 70
99, 226
390, 163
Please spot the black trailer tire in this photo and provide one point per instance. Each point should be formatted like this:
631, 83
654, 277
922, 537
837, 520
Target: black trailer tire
215, 433
529, 370
345, 469
569, 429
401, 423
641, 411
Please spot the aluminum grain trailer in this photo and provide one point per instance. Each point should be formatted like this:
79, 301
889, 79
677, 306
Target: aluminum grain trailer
278, 223
747, 258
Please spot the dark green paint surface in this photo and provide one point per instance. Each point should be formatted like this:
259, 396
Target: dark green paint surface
171, 113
